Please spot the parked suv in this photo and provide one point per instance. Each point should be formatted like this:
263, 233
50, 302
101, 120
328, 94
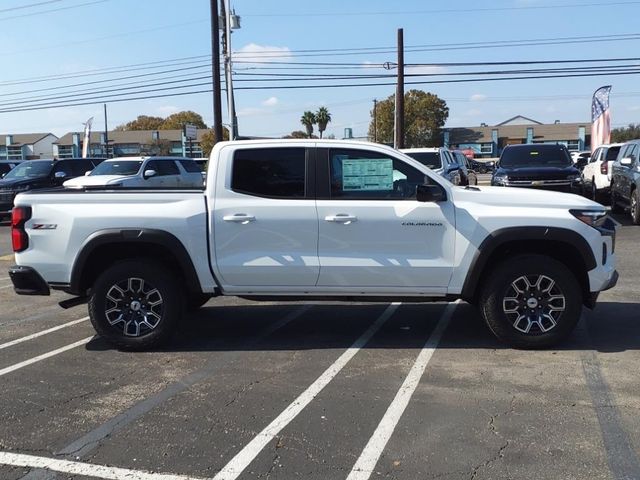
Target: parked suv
36, 174
543, 166
625, 180
440, 160
596, 175
468, 175
142, 172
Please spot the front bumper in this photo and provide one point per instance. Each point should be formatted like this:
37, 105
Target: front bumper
26, 281
591, 301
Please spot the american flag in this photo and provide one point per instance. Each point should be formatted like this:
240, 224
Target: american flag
601, 128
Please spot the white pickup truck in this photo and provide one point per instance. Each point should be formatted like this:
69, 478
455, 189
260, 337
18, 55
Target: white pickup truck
315, 220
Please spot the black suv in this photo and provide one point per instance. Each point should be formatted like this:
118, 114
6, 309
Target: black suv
625, 180
35, 174
544, 166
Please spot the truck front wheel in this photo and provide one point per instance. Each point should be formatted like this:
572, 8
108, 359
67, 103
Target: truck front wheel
135, 304
531, 301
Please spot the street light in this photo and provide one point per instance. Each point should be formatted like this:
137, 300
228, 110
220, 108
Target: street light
231, 21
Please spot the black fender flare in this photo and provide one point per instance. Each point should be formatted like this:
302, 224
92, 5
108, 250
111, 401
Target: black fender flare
514, 234
133, 236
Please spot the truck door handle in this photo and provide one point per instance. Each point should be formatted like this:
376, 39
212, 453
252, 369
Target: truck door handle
239, 218
341, 218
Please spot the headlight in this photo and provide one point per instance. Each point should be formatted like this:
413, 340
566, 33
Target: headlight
593, 218
574, 178
20, 188
499, 179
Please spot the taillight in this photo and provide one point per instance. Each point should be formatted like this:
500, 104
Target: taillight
19, 238
604, 168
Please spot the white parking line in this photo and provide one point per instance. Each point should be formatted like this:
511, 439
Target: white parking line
2, 279
6, 286
85, 469
236, 466
43, 332
44, 356
371, 454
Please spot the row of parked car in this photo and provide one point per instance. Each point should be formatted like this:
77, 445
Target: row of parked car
133, 172
453, 165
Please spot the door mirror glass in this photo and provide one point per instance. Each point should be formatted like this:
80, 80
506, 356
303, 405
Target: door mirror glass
149, 173
60, 175
626, 161
430, 193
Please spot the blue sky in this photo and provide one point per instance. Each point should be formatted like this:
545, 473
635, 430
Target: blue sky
59, 37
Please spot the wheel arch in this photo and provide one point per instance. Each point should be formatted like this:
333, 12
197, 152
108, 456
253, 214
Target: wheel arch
566, 246
105, 247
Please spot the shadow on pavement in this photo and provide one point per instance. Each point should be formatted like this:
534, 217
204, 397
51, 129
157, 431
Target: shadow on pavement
612, 327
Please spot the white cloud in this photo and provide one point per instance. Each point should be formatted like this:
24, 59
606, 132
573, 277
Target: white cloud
477, 97
252, 53
425, 70
270, 102
167, 110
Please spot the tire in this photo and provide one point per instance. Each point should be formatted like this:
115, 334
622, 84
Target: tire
136, 305
635, 207
531, 301
594, 190
613, 199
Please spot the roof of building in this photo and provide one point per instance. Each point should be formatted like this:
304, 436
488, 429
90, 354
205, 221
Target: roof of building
24, 138
131, 136
519, 120
551, 132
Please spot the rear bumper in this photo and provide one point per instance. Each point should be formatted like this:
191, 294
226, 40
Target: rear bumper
26, 281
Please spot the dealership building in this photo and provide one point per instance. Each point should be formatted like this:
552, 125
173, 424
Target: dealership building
488, 141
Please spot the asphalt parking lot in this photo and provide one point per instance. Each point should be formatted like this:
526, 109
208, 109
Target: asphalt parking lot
318, 391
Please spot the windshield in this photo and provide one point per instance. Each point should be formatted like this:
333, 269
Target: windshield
125, 167
29, 170
429, 159
535, 157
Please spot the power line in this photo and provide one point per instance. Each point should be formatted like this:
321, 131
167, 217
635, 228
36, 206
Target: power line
31, 5
448, 10
53, 10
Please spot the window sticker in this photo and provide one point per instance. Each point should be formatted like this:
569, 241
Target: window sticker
367, 174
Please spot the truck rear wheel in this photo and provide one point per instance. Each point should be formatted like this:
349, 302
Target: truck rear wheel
531, 301
135, 304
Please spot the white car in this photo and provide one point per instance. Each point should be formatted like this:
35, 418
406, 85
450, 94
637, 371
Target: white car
596, 175
142, 172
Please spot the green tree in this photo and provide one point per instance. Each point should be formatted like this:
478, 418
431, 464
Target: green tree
425, 114
297, 134
308, 119
322, 118
208, 140
143, 122
177, 120
619, 135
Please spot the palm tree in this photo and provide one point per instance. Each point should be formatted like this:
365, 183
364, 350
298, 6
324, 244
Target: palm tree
322, 118
308, 119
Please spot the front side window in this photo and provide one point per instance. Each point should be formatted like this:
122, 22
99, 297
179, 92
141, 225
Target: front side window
269, 172
163, 167
360, 174
428, 159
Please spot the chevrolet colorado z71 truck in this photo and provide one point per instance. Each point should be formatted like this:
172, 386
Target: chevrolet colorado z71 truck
315, 220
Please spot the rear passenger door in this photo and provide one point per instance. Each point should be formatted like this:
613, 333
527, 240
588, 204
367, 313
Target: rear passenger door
264, 221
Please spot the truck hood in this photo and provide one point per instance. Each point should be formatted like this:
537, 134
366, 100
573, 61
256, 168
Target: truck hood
523, 197
95, 180
18, 182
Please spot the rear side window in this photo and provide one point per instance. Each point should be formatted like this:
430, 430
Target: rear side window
190, 166
612, 153
428, 159
269, 172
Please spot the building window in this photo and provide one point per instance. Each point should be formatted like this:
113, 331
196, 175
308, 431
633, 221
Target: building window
573, 144
486, 148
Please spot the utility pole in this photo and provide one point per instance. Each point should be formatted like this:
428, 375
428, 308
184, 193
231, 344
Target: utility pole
398, 140
215, 61
375, 122
233, 119
106, 133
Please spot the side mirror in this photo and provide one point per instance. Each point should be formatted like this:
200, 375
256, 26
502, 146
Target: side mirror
430, 193
87, 173
60, 175
149, 173
626, 161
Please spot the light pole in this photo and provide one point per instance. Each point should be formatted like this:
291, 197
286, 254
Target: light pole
231, 22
